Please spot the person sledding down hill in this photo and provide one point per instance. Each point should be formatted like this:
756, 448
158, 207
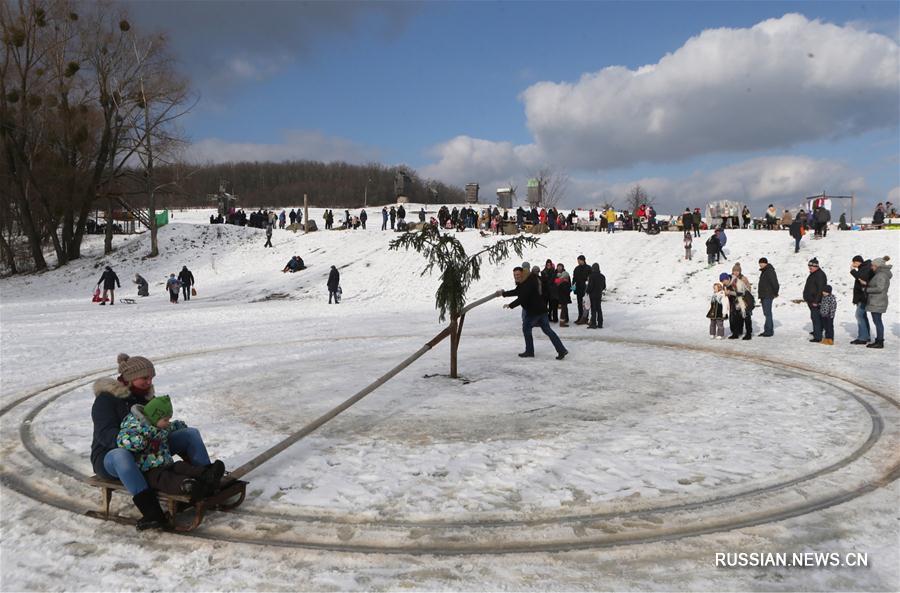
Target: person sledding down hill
294, 265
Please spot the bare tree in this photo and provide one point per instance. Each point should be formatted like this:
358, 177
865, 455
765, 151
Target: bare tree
635, 197
554, 184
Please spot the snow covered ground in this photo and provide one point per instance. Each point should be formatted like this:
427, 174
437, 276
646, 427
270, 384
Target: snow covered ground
619, 426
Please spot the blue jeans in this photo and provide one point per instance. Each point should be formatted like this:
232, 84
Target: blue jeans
879, 327
797, 244
610, 227
542, 320
120, 464
769, 325
862, 322
816, 318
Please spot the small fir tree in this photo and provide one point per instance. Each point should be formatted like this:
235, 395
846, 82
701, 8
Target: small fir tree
458, 271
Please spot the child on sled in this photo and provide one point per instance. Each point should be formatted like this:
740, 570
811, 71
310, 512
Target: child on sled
145, 432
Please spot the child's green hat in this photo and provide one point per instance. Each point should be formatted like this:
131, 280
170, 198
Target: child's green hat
157, 408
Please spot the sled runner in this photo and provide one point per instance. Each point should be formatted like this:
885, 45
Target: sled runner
230, 496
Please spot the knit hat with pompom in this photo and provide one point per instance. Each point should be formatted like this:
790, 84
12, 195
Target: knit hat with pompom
135, 367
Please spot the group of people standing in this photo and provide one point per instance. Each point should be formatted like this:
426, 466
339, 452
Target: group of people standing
732, 299
545, 296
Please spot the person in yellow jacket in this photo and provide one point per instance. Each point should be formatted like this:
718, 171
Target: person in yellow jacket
610, 220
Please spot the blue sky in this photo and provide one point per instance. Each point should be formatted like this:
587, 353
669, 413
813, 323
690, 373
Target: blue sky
397, 82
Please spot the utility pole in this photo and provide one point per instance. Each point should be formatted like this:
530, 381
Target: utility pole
366, 194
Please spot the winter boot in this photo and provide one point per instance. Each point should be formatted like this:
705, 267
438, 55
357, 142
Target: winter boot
876, 344
563, 324
828, 342
211, 476
153, 516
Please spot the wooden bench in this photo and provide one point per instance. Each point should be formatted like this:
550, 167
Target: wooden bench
227, 498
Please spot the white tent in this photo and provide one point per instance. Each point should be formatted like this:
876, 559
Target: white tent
727, 212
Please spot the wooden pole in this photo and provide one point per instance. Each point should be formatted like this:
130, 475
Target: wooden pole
321, 420
305, 214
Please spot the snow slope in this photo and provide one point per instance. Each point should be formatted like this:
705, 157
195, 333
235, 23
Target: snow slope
618, 426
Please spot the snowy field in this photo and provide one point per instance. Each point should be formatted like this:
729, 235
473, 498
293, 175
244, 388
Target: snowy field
647, 427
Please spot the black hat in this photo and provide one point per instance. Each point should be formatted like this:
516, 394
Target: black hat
827, 288
582, 258
763, 260
813, 262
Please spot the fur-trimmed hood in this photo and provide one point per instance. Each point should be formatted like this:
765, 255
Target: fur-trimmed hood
115, 388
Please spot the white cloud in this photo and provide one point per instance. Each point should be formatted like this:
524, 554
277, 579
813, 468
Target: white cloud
781, 82
296, 145
782, 180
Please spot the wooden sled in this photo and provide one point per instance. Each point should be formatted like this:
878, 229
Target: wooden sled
230, 496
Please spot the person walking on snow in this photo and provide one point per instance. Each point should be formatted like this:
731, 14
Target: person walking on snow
186, 278
143, 287
334, 282
268, 236
110, 281
528, 294
173, 285
688, 243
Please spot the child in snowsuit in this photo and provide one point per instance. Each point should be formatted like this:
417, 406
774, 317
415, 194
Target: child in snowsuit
827, 309
712, 248
145, 432
688, 243
716, 313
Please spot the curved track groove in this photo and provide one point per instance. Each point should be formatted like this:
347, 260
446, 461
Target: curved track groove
480, 537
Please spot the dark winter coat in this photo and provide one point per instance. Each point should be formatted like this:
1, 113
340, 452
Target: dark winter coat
697, 219
687, 220
528, 294
596, 282
363, 216
548, 279
712, 245
564, 288
109, 280
580, 276
186, 277
768, 283
401, 212
794, 229
815, 284
334, 279
143, 287
864, 273
112, 402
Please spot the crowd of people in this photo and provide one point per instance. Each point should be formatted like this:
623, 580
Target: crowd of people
732, 299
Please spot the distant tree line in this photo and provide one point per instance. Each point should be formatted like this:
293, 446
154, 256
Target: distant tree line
276, 185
